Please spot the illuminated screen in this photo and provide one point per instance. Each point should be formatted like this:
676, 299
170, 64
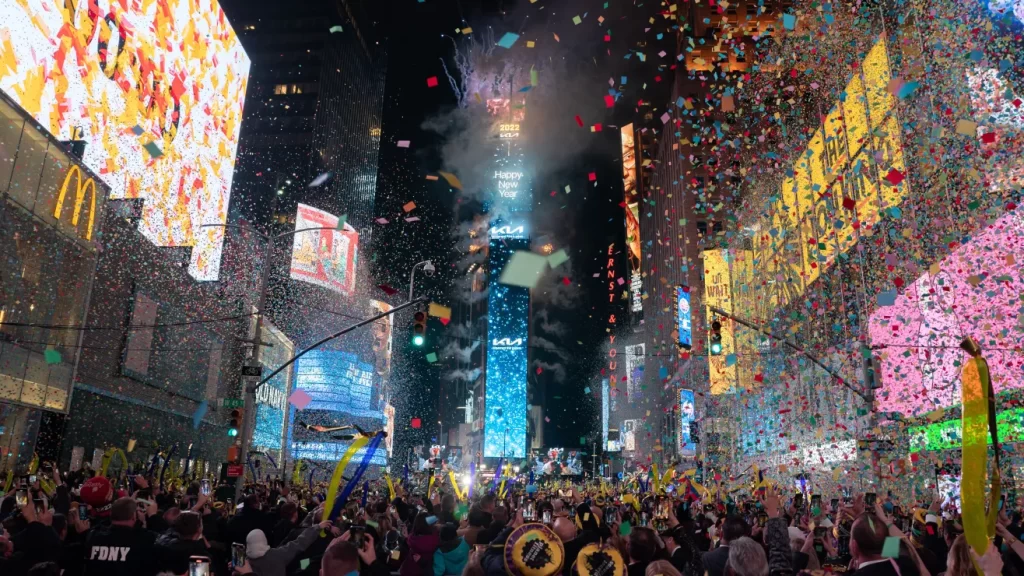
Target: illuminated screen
272, 397
948, 435
687, 445
154, 87
949, 489
1006, 9
683, 325
333, 451
337, 382
505, 397
718, 293
974, 291
632, 216
328, 257
341, 388
389, 427
635, 355
848, 156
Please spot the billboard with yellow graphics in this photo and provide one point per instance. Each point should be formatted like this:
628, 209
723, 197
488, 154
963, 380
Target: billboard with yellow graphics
154, 87
718, 293
849, 175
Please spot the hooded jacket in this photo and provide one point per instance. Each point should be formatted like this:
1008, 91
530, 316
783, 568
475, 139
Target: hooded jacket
267, 561
451, 557
420, 558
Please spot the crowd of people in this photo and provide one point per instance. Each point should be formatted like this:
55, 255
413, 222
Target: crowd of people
76, 525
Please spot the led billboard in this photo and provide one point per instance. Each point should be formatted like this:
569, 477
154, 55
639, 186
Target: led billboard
272, 397
851, 171
684, 328
154, 87
687, 444
949, 435
718, 293
635, 356
507, 332
974, 291
341, 388
632, 202
326, 254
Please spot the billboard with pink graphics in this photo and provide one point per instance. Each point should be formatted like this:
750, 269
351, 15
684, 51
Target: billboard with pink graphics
977, 291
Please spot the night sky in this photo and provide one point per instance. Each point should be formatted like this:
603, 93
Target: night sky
583, 222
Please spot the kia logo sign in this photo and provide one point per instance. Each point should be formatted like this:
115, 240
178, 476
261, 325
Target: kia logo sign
499, 343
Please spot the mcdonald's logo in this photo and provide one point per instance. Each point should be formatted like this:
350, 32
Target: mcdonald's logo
80, 191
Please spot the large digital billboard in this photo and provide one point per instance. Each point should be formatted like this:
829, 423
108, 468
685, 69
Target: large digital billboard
272, 397
507, 332
851, 171
340, 386
154, 87
687, 444
974, 291
326, 257
632, 202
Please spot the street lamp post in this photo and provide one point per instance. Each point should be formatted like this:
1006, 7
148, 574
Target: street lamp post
428, 269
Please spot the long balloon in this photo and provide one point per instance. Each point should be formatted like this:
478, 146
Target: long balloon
978, 424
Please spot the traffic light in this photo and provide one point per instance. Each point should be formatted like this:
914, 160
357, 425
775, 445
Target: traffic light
236, 420
716, 338
419, 328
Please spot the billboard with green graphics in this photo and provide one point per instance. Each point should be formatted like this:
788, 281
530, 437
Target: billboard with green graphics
947, 435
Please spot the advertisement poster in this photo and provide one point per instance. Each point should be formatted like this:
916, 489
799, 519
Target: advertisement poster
326, 257
154, 89
683, 318
687, 444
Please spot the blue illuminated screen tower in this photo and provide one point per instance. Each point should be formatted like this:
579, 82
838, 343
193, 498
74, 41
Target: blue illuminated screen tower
505, 422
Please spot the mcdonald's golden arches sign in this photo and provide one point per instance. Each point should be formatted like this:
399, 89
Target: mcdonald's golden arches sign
83, 187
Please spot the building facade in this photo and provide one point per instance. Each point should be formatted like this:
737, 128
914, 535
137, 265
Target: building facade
50, 221
312, 124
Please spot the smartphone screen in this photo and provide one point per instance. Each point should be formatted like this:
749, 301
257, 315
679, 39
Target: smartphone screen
762, 520
21, 498
237, 555
547, 516
357, 533
816, 501
835, 503
32, 479
199, 566
83, 512
204, 487
798, 500
869, 499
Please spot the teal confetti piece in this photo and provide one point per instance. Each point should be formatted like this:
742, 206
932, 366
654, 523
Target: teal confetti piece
431, 357
891, 549
153, 149
730, 360
508, 40
51, 356
789, 21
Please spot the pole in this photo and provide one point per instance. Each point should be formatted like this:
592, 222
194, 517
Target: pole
248, 415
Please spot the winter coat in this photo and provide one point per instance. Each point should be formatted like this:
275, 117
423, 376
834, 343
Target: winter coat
451, 557
276, 560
